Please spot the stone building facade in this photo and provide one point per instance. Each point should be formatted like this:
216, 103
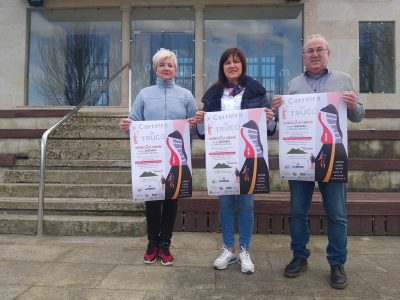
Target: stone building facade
270, 31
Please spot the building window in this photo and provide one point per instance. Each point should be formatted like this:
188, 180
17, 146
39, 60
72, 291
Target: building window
270, 37
377, 67
71, 53
155, 28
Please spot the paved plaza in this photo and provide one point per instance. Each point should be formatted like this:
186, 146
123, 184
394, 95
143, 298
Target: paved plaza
53, 267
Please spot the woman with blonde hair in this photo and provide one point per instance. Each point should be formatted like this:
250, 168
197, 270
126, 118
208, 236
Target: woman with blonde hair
163, 101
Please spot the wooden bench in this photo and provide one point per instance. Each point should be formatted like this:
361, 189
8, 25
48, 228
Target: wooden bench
368, 214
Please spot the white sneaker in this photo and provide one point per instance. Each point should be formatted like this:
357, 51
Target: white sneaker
226, 258
246, 265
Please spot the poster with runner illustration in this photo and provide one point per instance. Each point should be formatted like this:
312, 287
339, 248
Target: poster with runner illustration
161, 160
236, 149
313, 137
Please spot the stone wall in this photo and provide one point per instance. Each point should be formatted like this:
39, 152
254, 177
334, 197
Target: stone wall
338, 21
12, 53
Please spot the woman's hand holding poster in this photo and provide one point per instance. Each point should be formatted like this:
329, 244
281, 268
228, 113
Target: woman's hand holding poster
236, 152
161, 160
313, 137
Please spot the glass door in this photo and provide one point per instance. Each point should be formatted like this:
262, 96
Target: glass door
182, 44
270, 37
149, 35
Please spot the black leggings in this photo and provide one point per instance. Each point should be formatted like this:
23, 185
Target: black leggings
160, 216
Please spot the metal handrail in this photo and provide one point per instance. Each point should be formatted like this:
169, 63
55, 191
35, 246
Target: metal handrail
43, 144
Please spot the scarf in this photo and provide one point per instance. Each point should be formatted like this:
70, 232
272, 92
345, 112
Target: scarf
237, 88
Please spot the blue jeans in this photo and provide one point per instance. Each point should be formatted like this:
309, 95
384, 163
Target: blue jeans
245, 204
334, 201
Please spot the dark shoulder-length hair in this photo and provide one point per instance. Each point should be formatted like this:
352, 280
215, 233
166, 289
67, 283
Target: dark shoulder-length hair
235, 52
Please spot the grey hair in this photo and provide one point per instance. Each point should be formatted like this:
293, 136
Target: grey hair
161, 55
316, 36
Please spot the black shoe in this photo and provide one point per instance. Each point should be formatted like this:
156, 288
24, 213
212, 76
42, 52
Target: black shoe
296, 267
338, 278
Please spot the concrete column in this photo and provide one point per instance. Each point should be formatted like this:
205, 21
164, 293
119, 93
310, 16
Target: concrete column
126, 52
199, 53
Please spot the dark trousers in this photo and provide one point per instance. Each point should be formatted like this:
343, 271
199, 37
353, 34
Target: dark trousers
160, 216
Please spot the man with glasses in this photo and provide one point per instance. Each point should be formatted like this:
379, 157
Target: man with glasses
317, 78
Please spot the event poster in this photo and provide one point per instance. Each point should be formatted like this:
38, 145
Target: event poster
313, 137
236, 149
161, 160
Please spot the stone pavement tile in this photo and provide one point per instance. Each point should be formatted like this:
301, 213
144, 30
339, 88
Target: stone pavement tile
157, 277
374, 245
391, 262
311, 283
261, 261
10, 292
342, 298
19, 238
196, 240
386, 284
363, 263
177, 295
128, 242
194, 258
270, 242
32, 252
39, 292
52, 274
104, 255
275, 242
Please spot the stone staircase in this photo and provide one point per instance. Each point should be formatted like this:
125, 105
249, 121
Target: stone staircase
88, 183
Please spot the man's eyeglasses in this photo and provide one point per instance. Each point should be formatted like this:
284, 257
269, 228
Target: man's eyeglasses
311, 51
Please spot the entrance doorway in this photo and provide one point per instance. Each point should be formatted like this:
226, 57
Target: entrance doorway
150, 33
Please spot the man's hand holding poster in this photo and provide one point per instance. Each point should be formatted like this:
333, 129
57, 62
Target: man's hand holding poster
236, 152
161, 160
313, 137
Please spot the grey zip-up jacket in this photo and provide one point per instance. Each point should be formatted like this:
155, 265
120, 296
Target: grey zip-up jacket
163, 101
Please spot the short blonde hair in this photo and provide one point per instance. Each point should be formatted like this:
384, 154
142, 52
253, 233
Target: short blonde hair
161, 55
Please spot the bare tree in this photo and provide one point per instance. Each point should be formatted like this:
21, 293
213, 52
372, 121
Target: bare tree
141, 67
72, 64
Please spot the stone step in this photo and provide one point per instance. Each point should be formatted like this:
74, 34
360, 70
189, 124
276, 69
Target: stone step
124, 177
376, 124
74, 225
119, 149
92, 125
73, 164
67, 190
109, 149
18, 146
358, 180
389, 149
92, 116
76, 206
69, 176
84, 149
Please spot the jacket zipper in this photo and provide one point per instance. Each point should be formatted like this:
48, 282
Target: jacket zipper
165, 100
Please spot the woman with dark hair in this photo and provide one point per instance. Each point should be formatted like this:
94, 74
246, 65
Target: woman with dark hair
235, 90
